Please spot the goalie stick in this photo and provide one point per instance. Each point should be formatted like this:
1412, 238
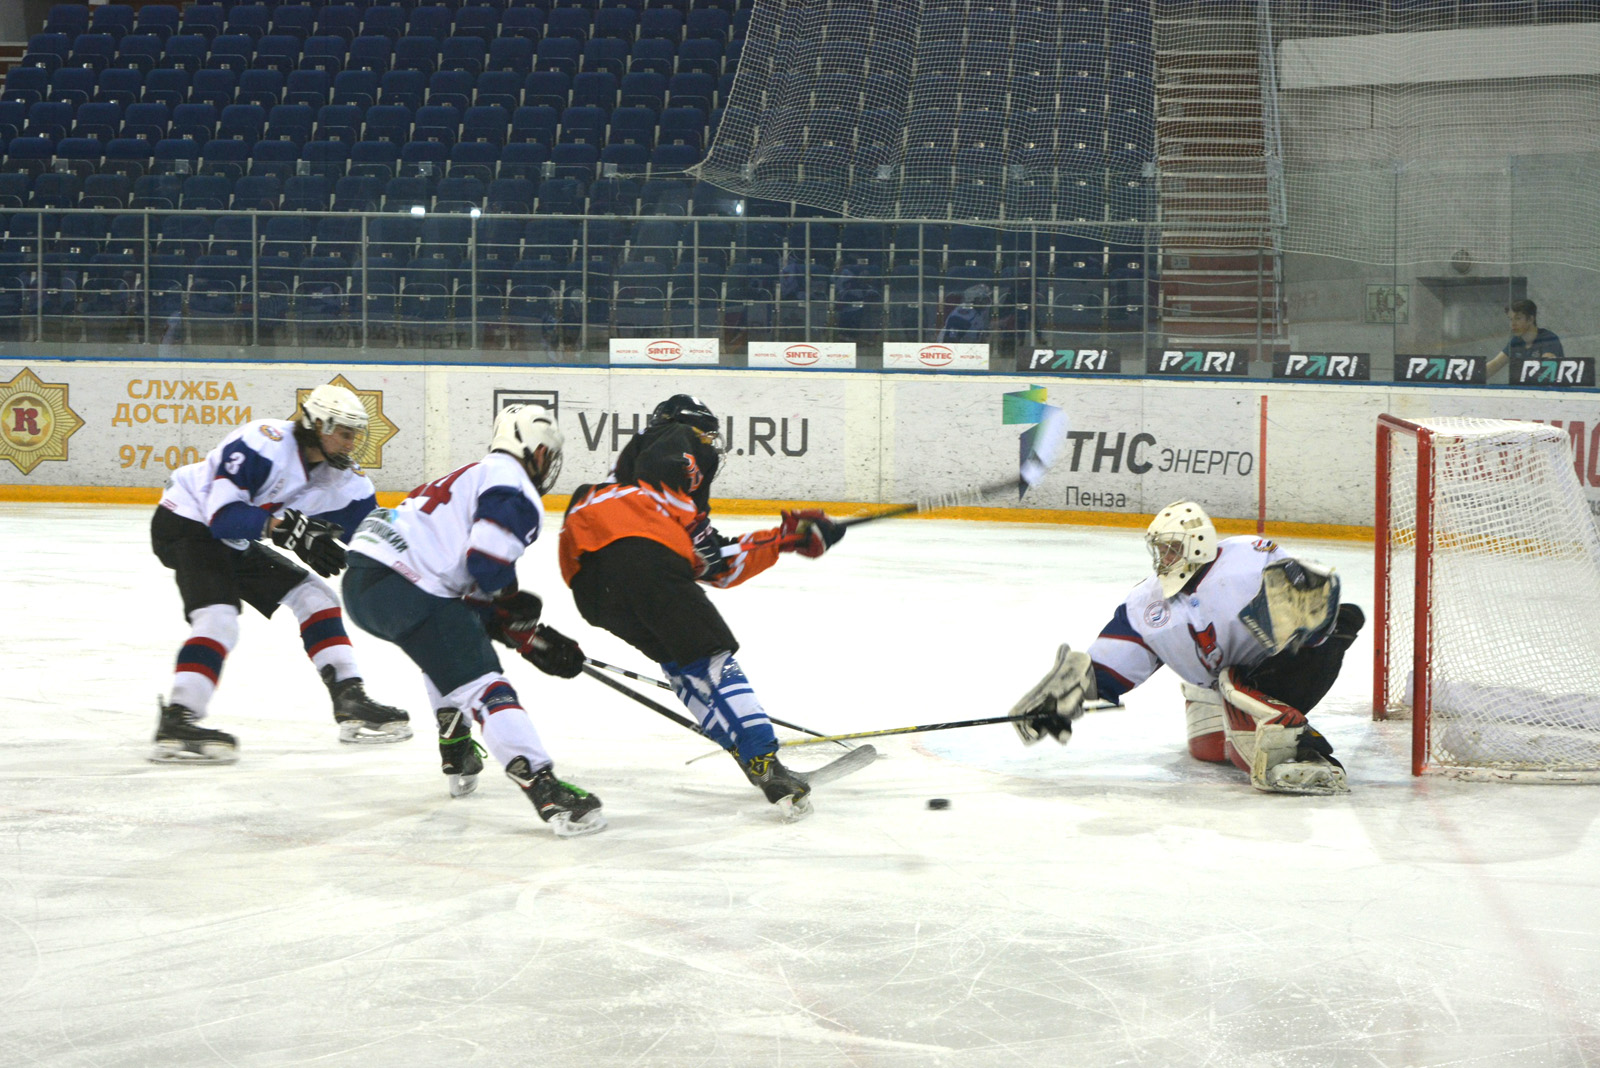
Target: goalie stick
1041, 445
659, 684
854, 760
1089, 706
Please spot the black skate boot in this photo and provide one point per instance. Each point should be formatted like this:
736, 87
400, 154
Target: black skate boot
782, 787
181, 740
459, 756
568, 810
360, 718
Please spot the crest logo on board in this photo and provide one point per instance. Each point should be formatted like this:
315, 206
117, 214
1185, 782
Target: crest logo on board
35, 421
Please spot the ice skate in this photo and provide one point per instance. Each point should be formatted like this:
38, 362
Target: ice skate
781, 786
569, 810
460, 757
181, 740
360, 718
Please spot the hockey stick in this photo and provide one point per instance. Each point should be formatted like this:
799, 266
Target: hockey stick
625, 673
1040, 446
853, 760
1091, 706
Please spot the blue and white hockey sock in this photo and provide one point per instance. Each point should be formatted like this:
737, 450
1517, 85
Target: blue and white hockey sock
213, 632
724, 703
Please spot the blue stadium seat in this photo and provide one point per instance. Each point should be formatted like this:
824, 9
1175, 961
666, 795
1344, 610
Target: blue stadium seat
384, 21
228, 158
263, 88
370, 52
525, 22
418, 53
534, 123
607, 55
339, 20
308, 87
117, 85
403, 88
198, 20
524, 159
499, 88
451, 87
653, 55
327, 159
621, 23
358, 88
583, 124
547, 87
643, 89
375, 158
478, 20
464, 53
430, 20
358, 192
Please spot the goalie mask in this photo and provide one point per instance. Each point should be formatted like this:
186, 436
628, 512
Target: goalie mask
529, 433
333, 421
691, 412
1182, 540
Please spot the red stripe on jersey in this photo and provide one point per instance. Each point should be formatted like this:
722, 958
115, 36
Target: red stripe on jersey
327, 643
326, 613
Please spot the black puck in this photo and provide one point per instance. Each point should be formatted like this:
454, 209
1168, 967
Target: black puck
938, 802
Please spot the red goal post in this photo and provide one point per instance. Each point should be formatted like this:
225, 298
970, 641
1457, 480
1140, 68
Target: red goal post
1487, 599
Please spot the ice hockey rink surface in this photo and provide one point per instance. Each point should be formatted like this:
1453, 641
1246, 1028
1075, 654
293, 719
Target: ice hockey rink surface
1108, 903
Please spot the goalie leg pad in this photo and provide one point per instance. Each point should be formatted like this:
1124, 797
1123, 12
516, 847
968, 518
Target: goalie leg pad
1052, 705
1273, 742
1207, 723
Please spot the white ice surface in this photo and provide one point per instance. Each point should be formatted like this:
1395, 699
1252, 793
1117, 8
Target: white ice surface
1110, 903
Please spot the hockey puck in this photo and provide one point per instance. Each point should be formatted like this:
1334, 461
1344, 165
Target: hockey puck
938, 802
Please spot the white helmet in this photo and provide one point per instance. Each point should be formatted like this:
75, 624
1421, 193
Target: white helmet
327, 407
1182, 540
529, 432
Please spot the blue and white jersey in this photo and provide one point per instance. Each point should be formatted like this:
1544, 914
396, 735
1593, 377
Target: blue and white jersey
459, 535
1196, 632
256, 472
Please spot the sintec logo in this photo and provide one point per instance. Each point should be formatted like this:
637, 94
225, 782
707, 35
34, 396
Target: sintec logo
664, 351
801, 355
935, 355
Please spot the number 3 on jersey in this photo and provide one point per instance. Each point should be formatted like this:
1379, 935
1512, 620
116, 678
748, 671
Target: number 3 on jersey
437, 492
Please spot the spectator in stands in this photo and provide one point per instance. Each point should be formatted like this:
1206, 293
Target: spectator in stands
1528, 338
968, 322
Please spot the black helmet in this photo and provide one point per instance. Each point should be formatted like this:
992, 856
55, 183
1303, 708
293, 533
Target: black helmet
690, 411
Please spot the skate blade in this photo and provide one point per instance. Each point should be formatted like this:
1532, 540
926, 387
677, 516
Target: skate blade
205, 753
567, 827
794, 809
462, 785
360, 733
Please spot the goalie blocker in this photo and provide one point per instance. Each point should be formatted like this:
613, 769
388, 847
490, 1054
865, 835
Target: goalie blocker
1257, 637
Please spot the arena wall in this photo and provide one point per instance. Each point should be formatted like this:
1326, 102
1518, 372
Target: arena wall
112, 430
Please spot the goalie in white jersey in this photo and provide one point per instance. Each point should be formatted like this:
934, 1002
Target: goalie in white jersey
436, 575
295, 481
1257, 637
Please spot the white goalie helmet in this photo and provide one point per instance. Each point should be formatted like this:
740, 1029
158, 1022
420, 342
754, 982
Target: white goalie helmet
1182, 540
325, 410
529, 432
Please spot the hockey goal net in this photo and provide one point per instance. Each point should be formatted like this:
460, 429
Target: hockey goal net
1487, 599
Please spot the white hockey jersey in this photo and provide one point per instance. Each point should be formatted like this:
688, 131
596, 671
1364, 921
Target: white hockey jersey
1196, 632
259, 465
459, 535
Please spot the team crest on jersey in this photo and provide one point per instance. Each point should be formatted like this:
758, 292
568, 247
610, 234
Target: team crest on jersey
1206, 647
1157, 614
270, 432
1263, 545
695, 477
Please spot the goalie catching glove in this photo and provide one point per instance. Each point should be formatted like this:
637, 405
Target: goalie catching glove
1297, 606
1052, 705
316, 541
809, 532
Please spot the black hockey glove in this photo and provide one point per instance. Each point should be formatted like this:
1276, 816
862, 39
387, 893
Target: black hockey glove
316, 541
708, 547
553, 652
513, 617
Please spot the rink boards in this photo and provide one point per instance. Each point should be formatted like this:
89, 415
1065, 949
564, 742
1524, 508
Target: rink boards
112, 430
